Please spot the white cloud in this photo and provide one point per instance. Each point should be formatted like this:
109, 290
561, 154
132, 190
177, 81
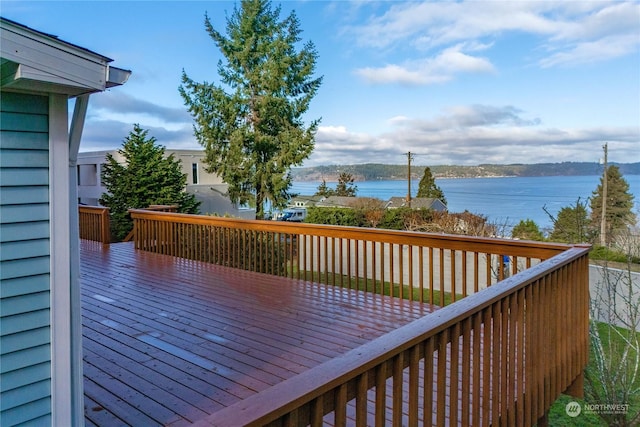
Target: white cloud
101, 134
569, 33
439, 69
119, 103
393, 74
471, 135
593, 51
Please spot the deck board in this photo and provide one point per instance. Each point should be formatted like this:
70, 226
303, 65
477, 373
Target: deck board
168, 341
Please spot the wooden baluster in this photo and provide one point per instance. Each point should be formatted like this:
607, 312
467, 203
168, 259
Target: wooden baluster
381, 395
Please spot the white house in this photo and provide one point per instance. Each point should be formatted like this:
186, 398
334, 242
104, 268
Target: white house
40, 320
208, 188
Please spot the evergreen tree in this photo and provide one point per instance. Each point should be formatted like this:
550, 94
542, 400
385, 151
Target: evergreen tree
571, 224
527, 230
324, 190
619, 204
428, 187
146, 178
251, 123
345, 186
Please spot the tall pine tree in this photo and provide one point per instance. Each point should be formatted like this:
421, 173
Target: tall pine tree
345, 186
571, 225
145, 178
619, 205
251, 124
428, 187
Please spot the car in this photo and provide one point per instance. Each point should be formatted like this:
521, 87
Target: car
293, 215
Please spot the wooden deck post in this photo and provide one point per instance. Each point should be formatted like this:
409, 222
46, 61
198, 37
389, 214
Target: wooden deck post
543, 421
576, 388
105, 226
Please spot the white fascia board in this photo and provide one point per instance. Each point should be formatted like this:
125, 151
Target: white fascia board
38, 52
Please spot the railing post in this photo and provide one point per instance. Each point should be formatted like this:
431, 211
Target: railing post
94, 223
105, 228
543, 421
576, 388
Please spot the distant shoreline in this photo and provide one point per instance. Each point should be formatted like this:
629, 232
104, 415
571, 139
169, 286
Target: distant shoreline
384, 172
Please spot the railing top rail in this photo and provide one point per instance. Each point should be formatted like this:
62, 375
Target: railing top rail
541, 250
292, 393
162, 208
87, 208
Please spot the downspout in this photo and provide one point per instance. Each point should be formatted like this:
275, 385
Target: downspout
75, 135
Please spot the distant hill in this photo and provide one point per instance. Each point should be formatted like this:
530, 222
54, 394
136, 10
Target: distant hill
380, 172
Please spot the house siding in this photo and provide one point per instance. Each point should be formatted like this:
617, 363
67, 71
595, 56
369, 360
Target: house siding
25, 299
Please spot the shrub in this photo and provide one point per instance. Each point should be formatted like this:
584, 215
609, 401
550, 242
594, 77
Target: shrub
605, 254
335, 216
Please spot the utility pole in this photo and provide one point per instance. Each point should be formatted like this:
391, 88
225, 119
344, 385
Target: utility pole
603, 219
409, 158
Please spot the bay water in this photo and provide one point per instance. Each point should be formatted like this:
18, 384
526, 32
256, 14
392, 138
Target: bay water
504, 200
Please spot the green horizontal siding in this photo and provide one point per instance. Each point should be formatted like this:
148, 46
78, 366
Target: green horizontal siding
12, 158
13, 102
25, 298
26, 358
19, 122
31, 195
26, 376
24, 285
24, 267
17, 141
24, 213
21, 177
25, 322
24, 231
37, 414
23, 304
10, 251
21, 341
16, 397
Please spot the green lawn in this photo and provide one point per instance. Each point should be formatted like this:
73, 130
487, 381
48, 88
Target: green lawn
613, 343
438, 298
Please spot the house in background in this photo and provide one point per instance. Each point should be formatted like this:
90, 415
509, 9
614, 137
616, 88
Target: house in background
208, 188
305, 201
351, 202
40, 319
417, 203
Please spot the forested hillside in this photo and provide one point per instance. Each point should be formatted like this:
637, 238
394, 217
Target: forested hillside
376, 171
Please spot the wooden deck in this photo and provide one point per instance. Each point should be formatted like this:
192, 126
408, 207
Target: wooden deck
168, 341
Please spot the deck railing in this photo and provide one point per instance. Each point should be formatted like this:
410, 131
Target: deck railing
433, 268
94, 223
500, 356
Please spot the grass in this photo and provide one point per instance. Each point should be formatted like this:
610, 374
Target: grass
405, 291
558, 415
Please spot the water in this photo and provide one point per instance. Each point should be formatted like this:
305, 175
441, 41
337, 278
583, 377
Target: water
505, 201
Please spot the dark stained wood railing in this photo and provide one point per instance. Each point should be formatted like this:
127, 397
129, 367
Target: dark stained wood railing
499, 356
94, 223
433, 268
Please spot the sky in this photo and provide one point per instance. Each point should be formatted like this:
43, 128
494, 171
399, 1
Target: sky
462, 83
